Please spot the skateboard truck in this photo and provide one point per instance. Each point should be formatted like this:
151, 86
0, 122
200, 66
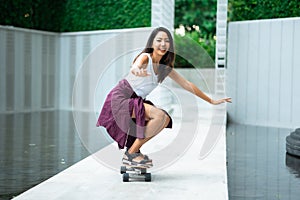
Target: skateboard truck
135, 173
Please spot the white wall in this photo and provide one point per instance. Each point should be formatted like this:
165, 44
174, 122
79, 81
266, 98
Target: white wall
38, 69
263, 72
98, 60
29, 75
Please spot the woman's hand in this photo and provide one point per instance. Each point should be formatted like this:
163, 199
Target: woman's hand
224, 100
139, 67
140, 72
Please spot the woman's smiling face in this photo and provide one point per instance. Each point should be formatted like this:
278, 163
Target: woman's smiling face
161, 43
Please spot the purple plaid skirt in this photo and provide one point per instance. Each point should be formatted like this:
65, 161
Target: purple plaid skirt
116, 115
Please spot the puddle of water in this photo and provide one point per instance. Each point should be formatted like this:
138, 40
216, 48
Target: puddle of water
35, 146
258, 166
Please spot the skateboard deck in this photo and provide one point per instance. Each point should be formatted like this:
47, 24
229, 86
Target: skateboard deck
135, 173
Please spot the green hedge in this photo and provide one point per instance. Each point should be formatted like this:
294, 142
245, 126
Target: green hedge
75, 15
108, 14
240, 10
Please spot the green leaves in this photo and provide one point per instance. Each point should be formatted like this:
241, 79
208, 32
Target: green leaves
194, 51
75, 15
240, 10
199, 20
201, 13
109, 14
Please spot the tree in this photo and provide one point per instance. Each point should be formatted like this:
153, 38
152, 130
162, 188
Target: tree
196, 13
198, 17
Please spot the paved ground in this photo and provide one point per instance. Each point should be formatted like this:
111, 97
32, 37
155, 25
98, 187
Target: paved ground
191, 174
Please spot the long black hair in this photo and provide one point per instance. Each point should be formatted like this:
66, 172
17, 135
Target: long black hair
166, 63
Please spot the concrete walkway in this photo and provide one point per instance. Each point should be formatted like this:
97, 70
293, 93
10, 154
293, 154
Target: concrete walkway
190, 176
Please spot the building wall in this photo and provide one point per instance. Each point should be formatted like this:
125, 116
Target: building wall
38, 69
29, 70
263, 71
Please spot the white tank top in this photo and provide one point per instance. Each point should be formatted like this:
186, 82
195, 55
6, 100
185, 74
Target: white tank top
142, 86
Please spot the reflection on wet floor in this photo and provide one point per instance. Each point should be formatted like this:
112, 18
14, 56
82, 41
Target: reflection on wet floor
258, 166
293, 164
35, 146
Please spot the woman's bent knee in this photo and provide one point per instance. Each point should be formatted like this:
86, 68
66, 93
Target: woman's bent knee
163, 117
157, 114
167, 120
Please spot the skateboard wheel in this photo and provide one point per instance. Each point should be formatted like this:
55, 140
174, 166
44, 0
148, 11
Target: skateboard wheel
143, 170
125, 177
148, 177
123, 170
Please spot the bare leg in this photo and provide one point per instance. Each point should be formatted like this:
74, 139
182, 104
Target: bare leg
157, 121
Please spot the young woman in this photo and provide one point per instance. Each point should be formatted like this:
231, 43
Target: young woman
130, 119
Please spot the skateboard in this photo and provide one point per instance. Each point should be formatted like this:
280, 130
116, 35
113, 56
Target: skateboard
135, 173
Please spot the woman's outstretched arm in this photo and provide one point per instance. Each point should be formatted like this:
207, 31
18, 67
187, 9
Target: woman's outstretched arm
187, 85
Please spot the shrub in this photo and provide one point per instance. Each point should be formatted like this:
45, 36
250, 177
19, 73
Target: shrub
240, 10
75, 15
